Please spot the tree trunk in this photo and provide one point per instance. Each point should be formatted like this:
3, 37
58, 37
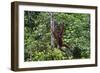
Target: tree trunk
52, 29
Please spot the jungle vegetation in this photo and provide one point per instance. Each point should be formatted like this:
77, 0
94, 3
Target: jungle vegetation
37, 36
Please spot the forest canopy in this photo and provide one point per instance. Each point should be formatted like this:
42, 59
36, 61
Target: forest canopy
37, 36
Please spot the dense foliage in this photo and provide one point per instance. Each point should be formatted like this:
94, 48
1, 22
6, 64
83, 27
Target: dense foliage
37, 36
